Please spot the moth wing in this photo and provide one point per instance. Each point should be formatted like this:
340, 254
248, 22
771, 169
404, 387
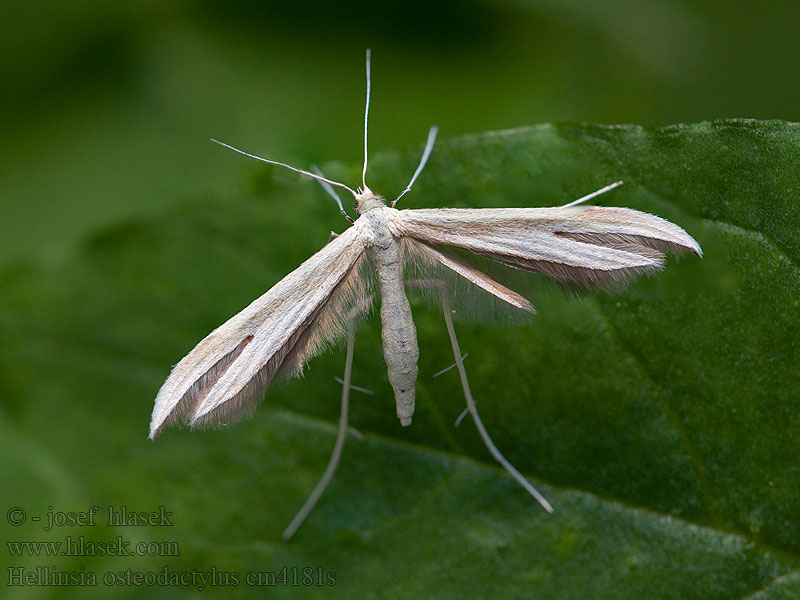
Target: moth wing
595, 246
224, 377
460, 278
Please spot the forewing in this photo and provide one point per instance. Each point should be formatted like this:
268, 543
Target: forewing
224, 377
591, 245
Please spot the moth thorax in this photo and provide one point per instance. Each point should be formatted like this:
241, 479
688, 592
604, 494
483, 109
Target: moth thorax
366, 200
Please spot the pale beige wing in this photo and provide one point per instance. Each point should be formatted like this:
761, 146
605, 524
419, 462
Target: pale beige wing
592, 245
418, 251
224, 377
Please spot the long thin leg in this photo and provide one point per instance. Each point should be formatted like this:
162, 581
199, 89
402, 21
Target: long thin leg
337, 448
446, 369
357, 388
473, 409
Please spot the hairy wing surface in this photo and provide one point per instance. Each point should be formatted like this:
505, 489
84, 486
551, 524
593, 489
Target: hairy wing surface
224, 377
592, 245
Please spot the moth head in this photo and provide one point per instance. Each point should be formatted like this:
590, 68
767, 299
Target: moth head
366, 200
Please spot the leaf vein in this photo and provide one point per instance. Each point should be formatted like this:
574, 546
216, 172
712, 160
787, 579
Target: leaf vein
644, 372
778, 580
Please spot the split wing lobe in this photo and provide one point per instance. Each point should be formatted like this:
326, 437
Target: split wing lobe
224, 377
592, 245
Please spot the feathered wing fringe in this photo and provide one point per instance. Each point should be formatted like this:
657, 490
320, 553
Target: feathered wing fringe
591, 245
204, 389
420, 255
348, 303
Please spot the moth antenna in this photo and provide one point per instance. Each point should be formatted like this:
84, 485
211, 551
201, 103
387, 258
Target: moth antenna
328, 188
425, 154
291, 168
337, 449
588, 197
366, 118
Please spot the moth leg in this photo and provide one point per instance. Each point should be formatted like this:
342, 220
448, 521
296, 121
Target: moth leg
344, 428
337, 448
357, 388
471, 406
446, 369
464, 412
352, 430
594, 194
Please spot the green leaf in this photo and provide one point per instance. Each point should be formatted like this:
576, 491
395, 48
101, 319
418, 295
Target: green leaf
661, 421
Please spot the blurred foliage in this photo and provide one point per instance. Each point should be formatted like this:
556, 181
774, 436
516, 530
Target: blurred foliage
662, 419
106, 108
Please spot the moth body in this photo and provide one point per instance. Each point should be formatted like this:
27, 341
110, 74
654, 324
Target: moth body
399, 335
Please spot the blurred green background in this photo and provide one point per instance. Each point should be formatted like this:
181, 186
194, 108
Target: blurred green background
107, 107
127, 235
